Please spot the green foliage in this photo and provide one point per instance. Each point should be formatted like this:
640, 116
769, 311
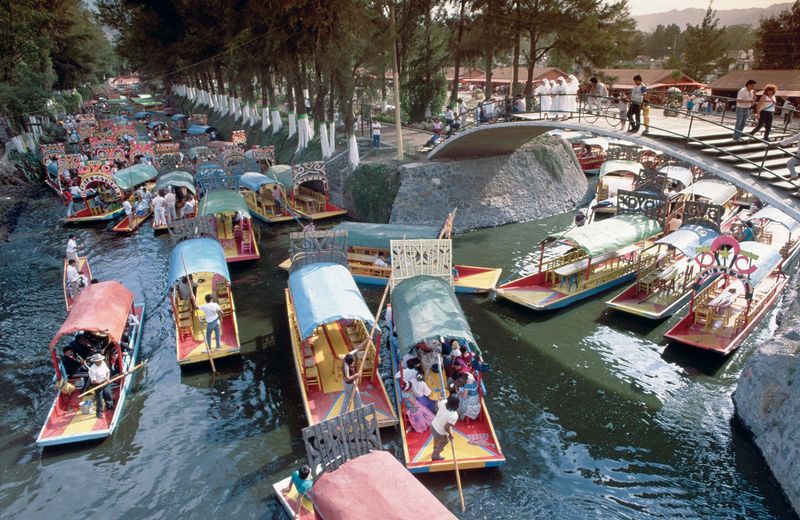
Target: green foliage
777, 44
544, 149
704, 47
372, 189
29, 163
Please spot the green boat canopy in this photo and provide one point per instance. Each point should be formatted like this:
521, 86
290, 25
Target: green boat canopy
283, 174
424, 308
197, 150
610, 234
378, 236
223, 201
129, 178
176, 178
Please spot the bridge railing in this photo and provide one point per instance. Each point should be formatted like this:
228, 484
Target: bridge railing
496, 111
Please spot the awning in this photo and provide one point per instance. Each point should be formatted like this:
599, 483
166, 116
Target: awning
610, 234
393, 492
177, 178
253, 180
378, 236
602, 142
768, 255
678, 173
101, 307
688, 238
129, 178
199, 129
223, 201
776, 215
324, 293
142, 115
718, 192
177, 117
620, 166
198, 150
283, 174
200, 255
423, 308
209, 166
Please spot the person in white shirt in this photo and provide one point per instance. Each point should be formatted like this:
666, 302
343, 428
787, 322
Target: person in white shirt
462, 111
599, 95
74, 278
72, 248
380, 260
159, 210
212, 312
794, 161
442, 425
188, 208
169, 201
99, 374
376, 134
126, 205
744, 101
419, 387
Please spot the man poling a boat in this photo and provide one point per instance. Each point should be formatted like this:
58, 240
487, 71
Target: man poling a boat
442, 425
99, 374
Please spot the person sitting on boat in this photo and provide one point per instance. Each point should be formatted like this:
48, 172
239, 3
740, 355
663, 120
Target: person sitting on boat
80, 345
186, 286
212, 312
141, 208
350, 379
442, 425
301, 480
237, 218
419, 387
71, 363
748, 232
419, 416
99, 373
75, 280
380, 260
72, 247
469, 401
675, 223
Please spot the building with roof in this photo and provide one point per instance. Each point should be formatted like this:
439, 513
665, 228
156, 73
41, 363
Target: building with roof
655, 79
787, 81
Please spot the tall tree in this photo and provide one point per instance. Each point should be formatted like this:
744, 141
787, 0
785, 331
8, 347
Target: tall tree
777, 44
703, 46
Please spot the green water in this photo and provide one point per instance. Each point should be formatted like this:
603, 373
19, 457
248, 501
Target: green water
597, 417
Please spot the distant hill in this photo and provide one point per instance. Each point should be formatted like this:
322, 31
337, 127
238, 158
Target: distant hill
648, 22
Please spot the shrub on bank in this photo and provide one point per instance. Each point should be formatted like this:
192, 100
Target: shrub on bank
372, 188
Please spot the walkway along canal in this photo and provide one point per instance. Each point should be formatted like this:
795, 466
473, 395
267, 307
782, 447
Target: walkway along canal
596, 417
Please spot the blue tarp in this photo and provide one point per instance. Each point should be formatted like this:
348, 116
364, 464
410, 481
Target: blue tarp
200, 129
253, 181
201, 255
324, 293
775, 215
688, 238
177, 117
153, 124
378, 236
769, 256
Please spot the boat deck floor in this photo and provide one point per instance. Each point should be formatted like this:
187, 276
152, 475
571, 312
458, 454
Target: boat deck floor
193, 349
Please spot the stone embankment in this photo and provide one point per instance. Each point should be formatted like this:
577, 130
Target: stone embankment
15, 193
767, 398
539, 180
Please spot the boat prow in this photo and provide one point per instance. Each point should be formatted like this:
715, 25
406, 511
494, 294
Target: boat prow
129, 225
84, 270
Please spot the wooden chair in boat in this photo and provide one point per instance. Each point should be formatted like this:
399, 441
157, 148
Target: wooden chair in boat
310, 367
704, 316
246, 237
765, 237
223, 298
185, 319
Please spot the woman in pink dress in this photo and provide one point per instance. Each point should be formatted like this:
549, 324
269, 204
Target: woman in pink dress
419, 417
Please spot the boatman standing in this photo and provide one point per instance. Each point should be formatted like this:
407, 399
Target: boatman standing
212, 312
72, 248
126, 205
442, 425
99, 374
169, 201
73, 278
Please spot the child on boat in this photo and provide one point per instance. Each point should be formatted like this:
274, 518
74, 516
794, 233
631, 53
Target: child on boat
301, 480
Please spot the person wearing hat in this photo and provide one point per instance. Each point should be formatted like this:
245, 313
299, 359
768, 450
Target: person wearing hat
99, 374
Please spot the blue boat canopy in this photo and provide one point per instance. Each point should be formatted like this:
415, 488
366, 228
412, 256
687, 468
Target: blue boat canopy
142, 115
177, 117
619, 165
775, 215
283, 173
200, 129
425, 308
688, 238
154, 124
199, 255
209, 166
768, 255
378, 236
253, 180
324, 293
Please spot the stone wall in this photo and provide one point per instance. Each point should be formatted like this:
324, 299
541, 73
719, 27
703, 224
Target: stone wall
767, 398
540, 179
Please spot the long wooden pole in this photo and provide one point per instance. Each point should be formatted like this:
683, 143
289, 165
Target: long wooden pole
371, 333
452, 442
194, 305
115, 378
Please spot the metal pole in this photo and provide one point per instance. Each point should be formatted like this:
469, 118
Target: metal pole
689, 131
398, 123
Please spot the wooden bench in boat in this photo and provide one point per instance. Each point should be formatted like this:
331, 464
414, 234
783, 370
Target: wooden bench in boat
569, 273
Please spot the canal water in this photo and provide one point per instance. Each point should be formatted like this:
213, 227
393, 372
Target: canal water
597, 417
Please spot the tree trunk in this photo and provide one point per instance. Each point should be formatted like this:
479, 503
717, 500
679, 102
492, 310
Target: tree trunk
457, 54
531, 64
219, 78
515, 61
489, 59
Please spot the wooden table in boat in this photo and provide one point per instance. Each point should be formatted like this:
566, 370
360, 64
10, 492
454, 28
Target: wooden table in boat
568, 274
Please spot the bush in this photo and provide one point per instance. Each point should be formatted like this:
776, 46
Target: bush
372, 189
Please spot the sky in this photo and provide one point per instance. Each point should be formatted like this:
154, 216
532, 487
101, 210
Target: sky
649, 6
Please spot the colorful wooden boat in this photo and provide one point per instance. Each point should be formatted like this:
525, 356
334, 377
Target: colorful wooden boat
345, 454
663, 289
591, 154
588, 260
304, 188
256, 189
711, 191
102, 308
615, 175
425, 308
128, 179
103, 202
328, 318
85, 271
179, 181
204, 260
738, 285
238, 240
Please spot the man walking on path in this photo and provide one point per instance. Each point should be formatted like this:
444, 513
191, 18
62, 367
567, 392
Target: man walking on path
635, 110
376, 134
744, 101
